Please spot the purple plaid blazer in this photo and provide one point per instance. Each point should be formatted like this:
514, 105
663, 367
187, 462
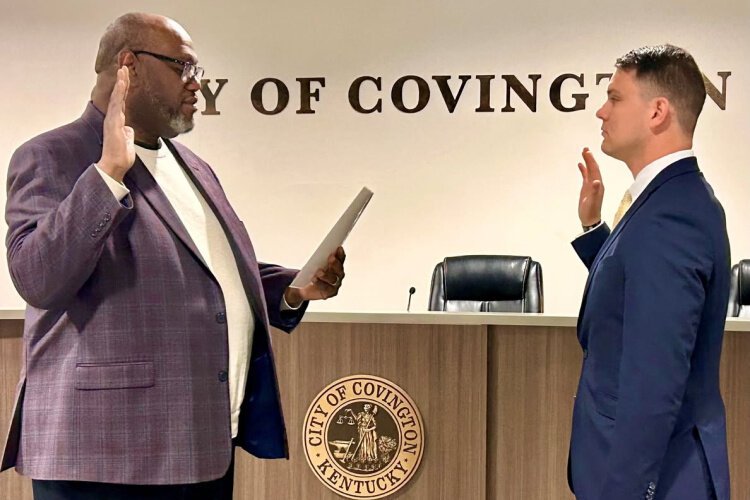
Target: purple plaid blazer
125, 354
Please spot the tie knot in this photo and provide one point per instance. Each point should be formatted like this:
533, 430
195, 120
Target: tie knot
627, 200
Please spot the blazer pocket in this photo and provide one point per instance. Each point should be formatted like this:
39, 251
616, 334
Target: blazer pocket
605, 405
93, 376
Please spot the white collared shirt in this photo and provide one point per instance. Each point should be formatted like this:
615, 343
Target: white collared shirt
650, 171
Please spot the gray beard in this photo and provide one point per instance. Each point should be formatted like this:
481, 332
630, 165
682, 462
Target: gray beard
177, 122
180, 123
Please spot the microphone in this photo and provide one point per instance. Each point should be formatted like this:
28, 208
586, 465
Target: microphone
411, 292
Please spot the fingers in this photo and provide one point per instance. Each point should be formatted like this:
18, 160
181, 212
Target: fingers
330, 276
324, 289
319, 289
333, 274
125, 78
584, 173
328, 281
115, 117
119, 92
592, 166
129, 136
336, 262
118, 153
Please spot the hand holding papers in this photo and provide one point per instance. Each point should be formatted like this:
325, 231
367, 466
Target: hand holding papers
333, 240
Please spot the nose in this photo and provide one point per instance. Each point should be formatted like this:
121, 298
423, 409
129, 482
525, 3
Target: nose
193, 85
601, 112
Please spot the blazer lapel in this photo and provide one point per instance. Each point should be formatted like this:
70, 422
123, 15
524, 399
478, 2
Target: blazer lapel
140, 178
681, 167
214, 196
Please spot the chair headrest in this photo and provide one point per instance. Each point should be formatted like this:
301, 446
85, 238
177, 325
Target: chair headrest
744, 282
485, 277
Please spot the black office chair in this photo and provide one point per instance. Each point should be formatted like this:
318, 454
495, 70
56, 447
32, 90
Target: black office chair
739, 290
487, 283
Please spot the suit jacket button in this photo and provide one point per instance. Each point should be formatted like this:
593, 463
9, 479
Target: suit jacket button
221, 317
223, 376
585, 353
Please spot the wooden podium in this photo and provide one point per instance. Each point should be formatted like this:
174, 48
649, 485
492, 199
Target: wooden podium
495, 392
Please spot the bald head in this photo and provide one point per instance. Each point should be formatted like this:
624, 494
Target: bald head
135, 30
157, 52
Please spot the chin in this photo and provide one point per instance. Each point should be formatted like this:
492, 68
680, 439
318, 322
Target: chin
608, 150
181, 125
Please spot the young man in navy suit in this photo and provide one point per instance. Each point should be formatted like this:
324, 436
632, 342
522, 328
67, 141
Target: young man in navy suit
648, 420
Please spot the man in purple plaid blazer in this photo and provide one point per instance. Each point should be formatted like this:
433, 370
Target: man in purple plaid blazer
147, 353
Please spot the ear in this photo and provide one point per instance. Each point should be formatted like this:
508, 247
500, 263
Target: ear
127, 58
661, 111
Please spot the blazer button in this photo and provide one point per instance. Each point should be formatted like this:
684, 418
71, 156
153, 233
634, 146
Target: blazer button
585, 353
223, 376
221, 317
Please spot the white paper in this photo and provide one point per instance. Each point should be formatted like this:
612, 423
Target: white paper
334, 239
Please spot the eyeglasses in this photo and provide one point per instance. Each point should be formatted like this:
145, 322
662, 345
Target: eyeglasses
189, 70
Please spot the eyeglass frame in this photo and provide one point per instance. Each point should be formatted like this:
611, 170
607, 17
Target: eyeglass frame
187, 67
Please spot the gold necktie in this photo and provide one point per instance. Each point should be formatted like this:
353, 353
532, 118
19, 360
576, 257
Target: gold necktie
627, 200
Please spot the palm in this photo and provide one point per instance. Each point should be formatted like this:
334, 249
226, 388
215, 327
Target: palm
118, 149
592, 190
589, 197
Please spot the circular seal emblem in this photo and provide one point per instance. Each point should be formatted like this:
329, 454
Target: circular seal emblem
363, 437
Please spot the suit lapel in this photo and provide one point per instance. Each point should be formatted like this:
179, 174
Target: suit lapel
208, 188
211, 192
677, 168
140, 178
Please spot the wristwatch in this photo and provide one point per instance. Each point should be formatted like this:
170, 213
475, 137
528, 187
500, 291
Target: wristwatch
586, 229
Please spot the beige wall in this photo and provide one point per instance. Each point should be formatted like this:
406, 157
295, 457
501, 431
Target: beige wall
445, 184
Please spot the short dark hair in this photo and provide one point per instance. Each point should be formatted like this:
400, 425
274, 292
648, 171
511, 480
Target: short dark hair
673, 73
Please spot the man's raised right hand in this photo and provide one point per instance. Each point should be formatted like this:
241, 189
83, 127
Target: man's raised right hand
592, 190
118, 151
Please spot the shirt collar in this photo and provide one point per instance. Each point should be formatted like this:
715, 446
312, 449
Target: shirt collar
650, 171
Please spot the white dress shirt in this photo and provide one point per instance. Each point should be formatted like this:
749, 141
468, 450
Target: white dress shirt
650, 171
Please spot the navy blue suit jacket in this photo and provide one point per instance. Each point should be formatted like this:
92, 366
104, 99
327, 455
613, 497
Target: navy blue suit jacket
649, 420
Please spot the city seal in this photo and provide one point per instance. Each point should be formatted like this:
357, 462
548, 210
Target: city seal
363, 437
